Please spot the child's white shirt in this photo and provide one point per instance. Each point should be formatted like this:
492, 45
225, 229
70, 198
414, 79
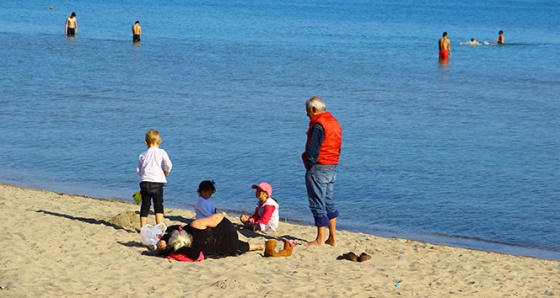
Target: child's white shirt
274, 219
152, 163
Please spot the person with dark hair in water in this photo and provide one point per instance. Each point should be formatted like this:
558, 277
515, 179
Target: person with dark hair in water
444, 47
136, 32
501, 38
71, 26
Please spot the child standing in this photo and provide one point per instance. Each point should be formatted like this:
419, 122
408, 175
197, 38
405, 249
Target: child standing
204, 207
266, 216
153, 167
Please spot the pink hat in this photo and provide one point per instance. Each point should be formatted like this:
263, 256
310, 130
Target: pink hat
265, 187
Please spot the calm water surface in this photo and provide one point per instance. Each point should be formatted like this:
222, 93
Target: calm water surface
465, 153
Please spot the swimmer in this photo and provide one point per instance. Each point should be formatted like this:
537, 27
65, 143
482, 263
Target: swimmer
71, 26
474, 42
136, 32
444, 47
501, 38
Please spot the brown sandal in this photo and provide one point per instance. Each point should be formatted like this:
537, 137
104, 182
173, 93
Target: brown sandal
364, 257
350, 256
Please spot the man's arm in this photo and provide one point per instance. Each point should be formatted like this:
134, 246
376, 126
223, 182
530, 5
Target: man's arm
314, 145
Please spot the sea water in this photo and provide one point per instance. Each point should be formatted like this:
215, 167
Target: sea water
465, 153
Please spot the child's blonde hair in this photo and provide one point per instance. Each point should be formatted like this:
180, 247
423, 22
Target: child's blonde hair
152, 137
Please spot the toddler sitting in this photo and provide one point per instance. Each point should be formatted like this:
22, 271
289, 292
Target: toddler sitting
266, 216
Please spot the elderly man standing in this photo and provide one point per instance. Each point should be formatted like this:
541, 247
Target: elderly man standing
322, 151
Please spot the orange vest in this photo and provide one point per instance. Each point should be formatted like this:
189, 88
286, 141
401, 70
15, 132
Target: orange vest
330, 149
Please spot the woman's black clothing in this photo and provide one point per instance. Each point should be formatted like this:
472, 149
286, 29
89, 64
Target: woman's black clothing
221, 240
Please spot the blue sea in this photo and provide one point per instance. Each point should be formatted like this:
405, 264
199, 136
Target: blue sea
465, 153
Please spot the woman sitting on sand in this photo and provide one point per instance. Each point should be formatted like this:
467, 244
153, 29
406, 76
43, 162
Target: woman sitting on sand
213, 235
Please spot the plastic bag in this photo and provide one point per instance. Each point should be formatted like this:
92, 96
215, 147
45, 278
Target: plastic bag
151, 234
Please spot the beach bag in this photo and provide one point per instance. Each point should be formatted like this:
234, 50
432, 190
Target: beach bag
151, 234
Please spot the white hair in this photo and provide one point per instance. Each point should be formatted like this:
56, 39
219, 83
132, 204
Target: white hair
180, 239
317, 103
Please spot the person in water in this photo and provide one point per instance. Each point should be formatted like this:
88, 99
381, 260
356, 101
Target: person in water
71, 26
136, 32
444, 47
501, 38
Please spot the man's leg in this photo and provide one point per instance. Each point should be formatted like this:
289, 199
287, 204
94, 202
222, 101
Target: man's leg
332, 232
332, 212
320, 240
316, 190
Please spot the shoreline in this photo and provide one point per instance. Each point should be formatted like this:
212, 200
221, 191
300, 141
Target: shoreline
447, 240
71, 245
440, 239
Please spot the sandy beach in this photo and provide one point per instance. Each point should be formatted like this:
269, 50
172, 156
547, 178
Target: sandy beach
74, 246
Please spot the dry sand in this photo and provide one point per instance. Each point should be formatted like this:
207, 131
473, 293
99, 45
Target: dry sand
73, 246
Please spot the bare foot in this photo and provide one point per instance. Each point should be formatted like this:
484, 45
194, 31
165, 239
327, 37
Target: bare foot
314, 243
331, 242
256, 246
